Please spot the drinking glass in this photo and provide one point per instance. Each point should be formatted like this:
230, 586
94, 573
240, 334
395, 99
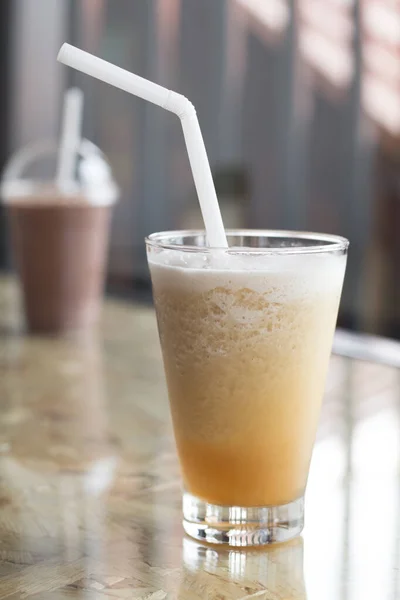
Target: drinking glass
246, 336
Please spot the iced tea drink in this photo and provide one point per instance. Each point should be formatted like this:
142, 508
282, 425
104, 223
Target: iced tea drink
246, 337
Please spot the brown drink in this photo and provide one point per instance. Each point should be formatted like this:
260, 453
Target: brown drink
60, 247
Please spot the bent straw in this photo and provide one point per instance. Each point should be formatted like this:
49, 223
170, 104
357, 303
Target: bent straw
173, 102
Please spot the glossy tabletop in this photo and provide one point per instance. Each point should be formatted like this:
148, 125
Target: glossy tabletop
90, 486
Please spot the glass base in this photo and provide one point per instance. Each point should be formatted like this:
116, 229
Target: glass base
242, 526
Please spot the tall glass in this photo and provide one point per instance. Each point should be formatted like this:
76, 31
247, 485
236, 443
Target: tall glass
246, 336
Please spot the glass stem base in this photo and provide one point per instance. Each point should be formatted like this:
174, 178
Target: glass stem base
242, 526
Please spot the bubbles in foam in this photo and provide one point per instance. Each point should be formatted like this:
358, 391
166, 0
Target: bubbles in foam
183, 260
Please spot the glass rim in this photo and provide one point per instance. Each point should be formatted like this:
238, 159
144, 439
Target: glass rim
334, 243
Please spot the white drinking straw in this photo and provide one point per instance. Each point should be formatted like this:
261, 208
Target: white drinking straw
176, 103
70, 138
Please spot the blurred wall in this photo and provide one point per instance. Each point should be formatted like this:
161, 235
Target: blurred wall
36, 82
293, 100
5, 103
292, 133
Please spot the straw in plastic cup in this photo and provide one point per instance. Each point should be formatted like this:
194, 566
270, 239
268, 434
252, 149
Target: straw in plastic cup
59, 238
70, 139
173, 102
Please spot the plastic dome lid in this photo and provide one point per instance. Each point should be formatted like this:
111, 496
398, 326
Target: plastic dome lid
94, 177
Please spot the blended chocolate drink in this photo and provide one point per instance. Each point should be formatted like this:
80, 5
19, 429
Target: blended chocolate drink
60, 246
246, 340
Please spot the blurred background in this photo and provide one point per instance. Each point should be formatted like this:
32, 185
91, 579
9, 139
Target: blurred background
299, 103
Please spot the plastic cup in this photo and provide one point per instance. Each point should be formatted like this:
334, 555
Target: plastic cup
59, 240
246, 336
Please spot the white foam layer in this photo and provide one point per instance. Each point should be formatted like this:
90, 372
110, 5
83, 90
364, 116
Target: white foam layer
283, 277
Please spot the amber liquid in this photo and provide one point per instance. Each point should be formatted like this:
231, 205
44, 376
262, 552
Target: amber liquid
246, 371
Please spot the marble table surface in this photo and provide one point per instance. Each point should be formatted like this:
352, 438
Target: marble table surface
90, 486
